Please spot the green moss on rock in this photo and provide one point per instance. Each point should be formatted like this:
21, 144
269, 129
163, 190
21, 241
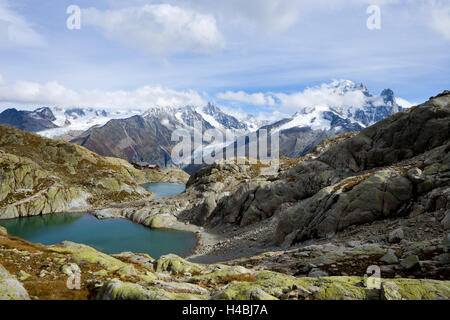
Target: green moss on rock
242, 291
84, 254
118, 290
176, 265
417, 289
224, 274
127, 270
10, 288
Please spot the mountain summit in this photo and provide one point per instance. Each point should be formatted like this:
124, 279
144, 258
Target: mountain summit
339, 107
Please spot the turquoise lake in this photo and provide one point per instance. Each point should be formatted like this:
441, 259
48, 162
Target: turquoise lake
164, 190
109, 236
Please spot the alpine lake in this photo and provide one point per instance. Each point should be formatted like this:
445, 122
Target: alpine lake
109, 236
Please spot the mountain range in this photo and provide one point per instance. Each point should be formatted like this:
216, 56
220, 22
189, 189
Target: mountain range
137, 135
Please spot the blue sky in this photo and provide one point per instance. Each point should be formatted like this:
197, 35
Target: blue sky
238, 54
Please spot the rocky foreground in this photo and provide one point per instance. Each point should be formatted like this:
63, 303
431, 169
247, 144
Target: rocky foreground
378, 200
32, 271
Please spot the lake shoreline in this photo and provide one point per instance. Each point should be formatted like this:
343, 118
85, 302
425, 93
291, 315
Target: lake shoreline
209, 245
111, 236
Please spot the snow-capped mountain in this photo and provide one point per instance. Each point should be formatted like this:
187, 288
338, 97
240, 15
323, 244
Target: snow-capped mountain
56, 121
253, 123
220, 119
81, 119
354, 107
210, 116
348, 107
148, 137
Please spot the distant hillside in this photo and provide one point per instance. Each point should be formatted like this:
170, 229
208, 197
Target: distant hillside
148, 137
41, 176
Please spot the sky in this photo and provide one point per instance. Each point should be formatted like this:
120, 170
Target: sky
252, 56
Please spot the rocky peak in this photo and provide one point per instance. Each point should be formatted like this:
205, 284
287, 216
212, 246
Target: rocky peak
75, 113
388, 96
211, 109
344, 86
102, 113
32, 121
44, 113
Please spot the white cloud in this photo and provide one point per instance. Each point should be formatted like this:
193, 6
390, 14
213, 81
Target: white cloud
15, 30
54, 94
258, 99
266, 16
273, 16
30, 95
337, 94
324, 95
405, 103
158, 28
269, 15
441, 21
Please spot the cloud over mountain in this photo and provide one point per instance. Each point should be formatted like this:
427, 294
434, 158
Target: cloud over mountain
338, 93
54, 94
250, 98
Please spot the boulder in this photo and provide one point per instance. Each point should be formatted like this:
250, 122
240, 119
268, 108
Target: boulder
125, 271
446, 221
353, 201
23, 276
142, 259
118, 290
10, 288
390, 291
410, 262
316, 273
396, 236
443, 259
242, 291
389, 258
70, 269
415, 175
176, 265
179, 287
446, 242
202, 212
81, 253
162, 221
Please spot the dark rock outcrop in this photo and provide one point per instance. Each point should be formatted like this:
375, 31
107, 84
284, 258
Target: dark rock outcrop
407, 158
389, 170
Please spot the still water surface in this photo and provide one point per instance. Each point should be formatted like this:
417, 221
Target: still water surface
109, 236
